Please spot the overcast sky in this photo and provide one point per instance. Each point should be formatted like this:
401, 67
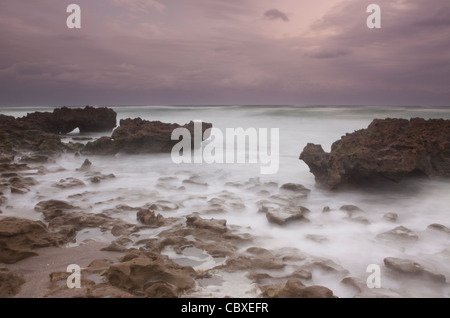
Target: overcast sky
170, 52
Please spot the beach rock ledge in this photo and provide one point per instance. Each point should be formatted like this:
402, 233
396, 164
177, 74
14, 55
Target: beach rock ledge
138, 136
389, 149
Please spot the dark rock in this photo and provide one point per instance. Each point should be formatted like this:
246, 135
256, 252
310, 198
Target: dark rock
95, 180
392, 217
399, 233
19, 237
161, 290
101, 146
64, 120
98, 177
217, 226
295, 289
69, 183
138, 271
350, 209
20, 185
358, 219
135, 136
409, 267
295, 188
286, 215
194, 183
10, 283
17, 191
53, 208
39, 131
35, 159
85, 166
326, 209
388, 149
6, 159
439, 227
148, 217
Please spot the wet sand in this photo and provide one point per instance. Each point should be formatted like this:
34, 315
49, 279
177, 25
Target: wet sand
36, 270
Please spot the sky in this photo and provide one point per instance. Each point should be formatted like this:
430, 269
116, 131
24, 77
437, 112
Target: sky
224, 52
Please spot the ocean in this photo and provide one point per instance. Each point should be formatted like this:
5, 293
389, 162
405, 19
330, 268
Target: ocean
240, 188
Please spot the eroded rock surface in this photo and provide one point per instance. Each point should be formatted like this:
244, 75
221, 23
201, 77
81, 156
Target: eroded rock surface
389, 149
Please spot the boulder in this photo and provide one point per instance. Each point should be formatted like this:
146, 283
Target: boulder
295, 188
412, 268
150, 274
69, 183
137, 136
53, 208
400, 233
439, 227
85, 166
295, 289
389, 149
19, 238
286, 215
64, 120
215, 226
39, 131
391, 217
148, 217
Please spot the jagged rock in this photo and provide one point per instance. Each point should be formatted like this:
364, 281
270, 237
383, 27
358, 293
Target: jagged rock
409, 267
69, 183
39, 131
286, 215
388, 149
85, 166
64, 120
399, 233
265, 260
19, 238
350, 209
37, 158
217, 226
358, 219
392, 217
138, 273
18, 191
295, 289
53, 208
140, 136
439, 227
148, 217
295, 188
10, 283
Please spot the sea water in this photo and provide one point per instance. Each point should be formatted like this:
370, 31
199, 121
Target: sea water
144, 179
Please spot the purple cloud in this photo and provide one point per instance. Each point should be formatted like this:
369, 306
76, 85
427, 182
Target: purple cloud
275, 14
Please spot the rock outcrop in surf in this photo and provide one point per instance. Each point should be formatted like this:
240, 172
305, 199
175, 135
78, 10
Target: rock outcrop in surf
390, 149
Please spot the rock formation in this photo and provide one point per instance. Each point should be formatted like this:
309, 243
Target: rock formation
388, 149
39, 131
137, 136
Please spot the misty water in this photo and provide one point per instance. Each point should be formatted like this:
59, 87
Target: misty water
353, 245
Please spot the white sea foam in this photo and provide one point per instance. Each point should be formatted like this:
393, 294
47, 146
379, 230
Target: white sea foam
144, 179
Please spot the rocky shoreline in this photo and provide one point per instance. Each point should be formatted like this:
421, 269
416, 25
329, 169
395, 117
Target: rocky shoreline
390, 149
153, 251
